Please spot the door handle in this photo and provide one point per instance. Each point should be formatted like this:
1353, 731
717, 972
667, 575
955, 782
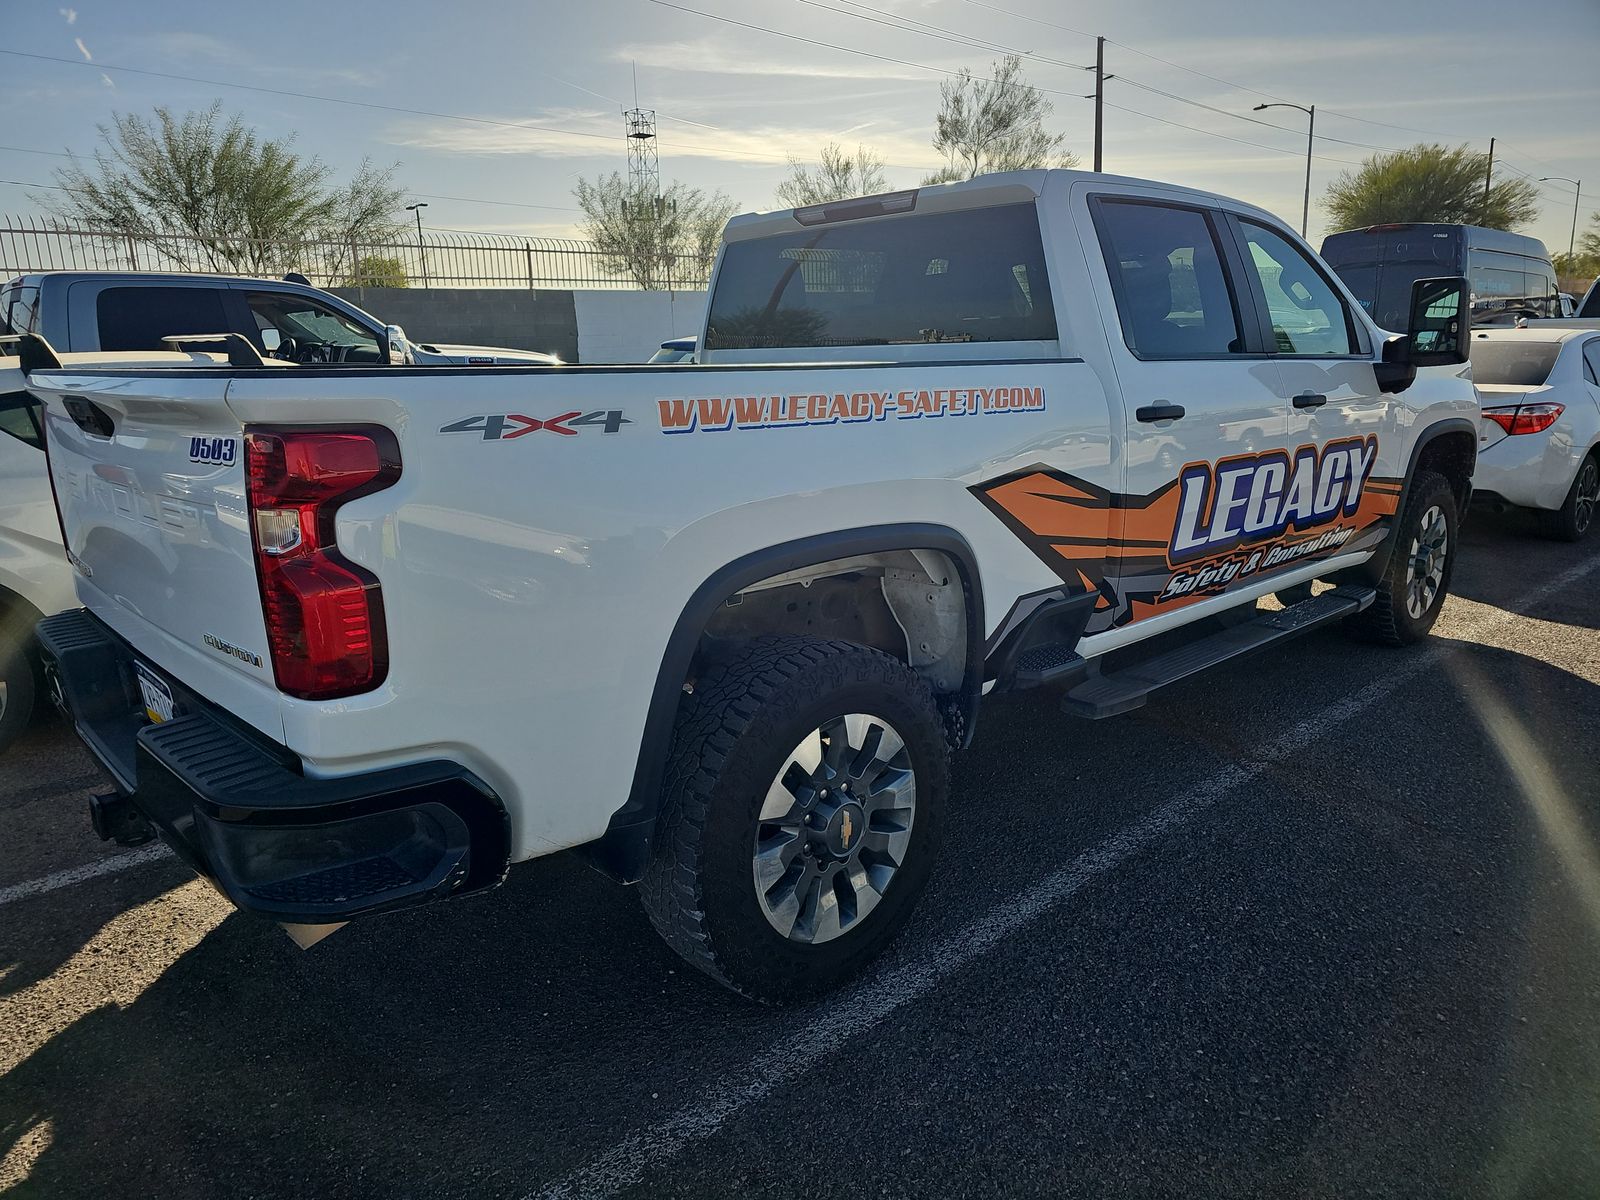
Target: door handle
1162, 410
1310, 400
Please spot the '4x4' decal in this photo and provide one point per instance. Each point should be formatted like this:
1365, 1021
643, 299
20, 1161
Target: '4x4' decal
501, 427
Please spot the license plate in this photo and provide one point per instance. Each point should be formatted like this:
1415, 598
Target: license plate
158, 704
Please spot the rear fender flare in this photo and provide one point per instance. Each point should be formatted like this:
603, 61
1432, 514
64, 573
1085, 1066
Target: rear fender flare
622, 851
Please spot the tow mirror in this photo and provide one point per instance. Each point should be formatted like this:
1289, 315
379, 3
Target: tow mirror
1440, 323
1437, 333
397, 347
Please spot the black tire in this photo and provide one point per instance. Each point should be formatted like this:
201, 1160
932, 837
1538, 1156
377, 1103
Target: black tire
1576, 516
18, 688
1391, 620
749, 711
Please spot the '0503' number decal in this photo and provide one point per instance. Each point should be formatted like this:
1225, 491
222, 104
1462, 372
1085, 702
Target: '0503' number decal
502, 427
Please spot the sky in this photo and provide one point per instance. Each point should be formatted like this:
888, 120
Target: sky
506, 106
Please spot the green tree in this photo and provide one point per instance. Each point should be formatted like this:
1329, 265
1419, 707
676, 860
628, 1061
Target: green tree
663, 241
838, 176
214, 195
1428, 183
1580, 268
378, 270
994, 124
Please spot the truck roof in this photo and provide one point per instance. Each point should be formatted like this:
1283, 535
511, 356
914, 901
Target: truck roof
34, 278
1004, 187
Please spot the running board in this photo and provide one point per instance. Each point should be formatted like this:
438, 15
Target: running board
1109, 694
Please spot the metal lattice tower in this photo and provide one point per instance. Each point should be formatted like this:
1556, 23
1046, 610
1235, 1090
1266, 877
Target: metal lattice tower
644, 170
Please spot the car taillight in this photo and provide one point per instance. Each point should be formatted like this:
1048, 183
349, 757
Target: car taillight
324, 614
1525, 418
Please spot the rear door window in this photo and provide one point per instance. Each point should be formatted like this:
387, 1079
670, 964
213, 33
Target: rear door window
1308, 317
1591, 360
137, 318
972, 276
1173, 297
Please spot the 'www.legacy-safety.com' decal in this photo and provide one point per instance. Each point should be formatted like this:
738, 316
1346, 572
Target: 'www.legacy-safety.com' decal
707, 414
1213, 527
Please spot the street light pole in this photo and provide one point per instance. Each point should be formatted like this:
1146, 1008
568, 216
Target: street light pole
1311, 141
1577, 199
421, 250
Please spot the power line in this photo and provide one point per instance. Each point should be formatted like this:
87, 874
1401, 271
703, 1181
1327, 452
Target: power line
795, 37
25, 150
1227, 137
928, 29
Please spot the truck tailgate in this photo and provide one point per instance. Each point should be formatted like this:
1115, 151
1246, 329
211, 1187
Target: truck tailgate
151, 490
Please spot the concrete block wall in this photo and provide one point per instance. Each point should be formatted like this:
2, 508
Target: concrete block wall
581, 326
628, 327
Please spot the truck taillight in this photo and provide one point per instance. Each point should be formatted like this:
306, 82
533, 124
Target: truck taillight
1525, 418
324, 614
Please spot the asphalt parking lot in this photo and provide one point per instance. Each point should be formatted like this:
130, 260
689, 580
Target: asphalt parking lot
1325, 923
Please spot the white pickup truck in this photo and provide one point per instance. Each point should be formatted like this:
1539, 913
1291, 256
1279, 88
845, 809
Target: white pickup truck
354, 640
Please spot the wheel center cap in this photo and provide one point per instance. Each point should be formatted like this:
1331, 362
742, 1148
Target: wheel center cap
845, 829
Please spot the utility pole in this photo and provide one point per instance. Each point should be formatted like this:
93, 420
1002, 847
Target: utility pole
1488, 177
1577, 199
1099, 97
1311, 141
421, 250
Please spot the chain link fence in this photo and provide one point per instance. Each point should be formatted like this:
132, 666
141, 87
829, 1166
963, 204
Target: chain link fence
438, 259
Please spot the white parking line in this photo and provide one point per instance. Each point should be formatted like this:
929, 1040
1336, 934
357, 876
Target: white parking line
630, 1160
105, 866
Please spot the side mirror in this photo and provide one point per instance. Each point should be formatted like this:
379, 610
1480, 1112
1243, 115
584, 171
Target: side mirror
1440, 323
397, 347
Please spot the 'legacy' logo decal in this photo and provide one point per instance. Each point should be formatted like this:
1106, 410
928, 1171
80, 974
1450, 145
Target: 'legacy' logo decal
1214, 527
1259, 496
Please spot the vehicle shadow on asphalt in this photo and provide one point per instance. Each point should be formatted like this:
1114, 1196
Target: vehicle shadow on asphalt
485, 1045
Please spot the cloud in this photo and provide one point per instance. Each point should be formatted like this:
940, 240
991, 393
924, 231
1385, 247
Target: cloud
191, 47
70, 14
713, 56
566, 133
83, 50
106, 79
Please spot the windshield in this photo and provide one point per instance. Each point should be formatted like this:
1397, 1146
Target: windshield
1508, 363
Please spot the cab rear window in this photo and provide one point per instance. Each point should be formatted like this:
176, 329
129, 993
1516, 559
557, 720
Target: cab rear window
971, 276
1513, 363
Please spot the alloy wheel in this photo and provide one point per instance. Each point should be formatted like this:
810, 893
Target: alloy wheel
1430, 546
834, 828
1588, 495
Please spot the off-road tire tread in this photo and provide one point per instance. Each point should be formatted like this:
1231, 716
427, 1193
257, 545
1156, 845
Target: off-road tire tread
727, 697
1384, 620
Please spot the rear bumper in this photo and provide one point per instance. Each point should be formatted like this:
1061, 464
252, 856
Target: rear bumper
1531, 470
240, 810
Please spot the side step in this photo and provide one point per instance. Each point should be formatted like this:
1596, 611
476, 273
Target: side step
1107, 695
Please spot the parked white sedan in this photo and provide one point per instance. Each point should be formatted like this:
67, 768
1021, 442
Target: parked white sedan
1539, 436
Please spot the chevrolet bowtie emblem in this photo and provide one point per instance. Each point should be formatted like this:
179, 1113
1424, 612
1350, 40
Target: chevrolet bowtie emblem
846, 832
